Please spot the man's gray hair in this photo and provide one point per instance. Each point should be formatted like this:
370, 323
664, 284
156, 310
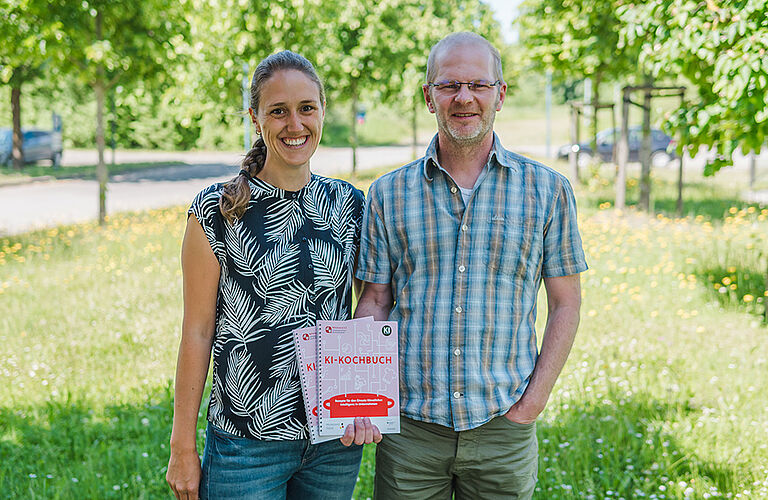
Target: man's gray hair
462, 38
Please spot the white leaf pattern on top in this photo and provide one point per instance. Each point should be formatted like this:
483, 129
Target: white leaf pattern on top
329, 309
276, 268
328, 264
316, 204
342, 210
283, 265
287, 306
284, 365
241, 315
242, 383
240, 249
282, 220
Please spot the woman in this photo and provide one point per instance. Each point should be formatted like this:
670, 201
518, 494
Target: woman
268, 252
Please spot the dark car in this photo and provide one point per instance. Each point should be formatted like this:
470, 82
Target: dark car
37, 145
662, 147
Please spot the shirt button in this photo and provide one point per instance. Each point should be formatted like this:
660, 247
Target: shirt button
454, 189
462, 269
464, 227
309, 266
458, 309
457, 351
457, 394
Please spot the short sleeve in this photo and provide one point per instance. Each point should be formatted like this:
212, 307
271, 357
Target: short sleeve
374, 264
563, 252
205, 208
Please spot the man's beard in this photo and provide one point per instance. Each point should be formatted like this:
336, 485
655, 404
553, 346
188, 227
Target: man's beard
465, 138
474, 136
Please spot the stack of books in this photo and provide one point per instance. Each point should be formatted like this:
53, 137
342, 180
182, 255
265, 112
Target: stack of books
349, 369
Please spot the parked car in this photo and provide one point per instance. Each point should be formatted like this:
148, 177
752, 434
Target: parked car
662, 147
37, 145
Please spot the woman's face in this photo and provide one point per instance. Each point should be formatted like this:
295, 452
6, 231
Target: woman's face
289, 118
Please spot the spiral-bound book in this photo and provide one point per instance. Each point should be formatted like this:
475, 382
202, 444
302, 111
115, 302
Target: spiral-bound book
305, 341
357, 374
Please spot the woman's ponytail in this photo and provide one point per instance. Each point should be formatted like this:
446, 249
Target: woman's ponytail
237, 193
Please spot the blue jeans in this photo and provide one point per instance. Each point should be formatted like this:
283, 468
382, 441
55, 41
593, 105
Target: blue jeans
244, 468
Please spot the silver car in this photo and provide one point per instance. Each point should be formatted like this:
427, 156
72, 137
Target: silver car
37, 145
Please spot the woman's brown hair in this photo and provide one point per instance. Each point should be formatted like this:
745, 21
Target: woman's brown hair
236, 193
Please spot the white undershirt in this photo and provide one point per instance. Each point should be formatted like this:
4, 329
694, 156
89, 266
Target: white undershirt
466, 193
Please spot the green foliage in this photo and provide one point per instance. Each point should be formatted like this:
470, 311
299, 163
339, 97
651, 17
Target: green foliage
575, 39
175, 71
116, 41
720, 49
25, 30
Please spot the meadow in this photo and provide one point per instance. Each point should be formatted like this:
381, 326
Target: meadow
663, 395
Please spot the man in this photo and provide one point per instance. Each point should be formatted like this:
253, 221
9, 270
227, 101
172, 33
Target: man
454, 247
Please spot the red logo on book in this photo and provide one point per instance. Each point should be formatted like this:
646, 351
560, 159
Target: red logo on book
358, 405
305, 336
328, 329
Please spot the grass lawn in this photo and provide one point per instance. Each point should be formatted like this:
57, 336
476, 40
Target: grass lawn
663, 395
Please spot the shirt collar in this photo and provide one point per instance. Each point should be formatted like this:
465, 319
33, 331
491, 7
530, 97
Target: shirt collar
498, 153
263, 189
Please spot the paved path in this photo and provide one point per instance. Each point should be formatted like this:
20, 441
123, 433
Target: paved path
46, 204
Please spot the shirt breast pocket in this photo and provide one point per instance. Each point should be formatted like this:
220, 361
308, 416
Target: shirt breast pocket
512, 247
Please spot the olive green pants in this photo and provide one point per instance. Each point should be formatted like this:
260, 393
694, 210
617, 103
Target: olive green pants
429, 461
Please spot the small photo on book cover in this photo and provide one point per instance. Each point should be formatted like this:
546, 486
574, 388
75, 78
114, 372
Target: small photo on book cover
358, 374
305, 342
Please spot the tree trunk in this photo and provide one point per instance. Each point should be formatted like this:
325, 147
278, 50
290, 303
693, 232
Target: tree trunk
679, 204
595, 104
101, 166
573, 154
18, 138
112, 127
752, 169
353, 135
622, 153
645, 155
681, 169
548, 115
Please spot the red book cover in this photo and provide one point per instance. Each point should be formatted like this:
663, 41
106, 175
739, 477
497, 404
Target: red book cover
358, 374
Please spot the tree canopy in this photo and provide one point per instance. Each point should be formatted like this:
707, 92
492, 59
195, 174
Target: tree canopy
719, 50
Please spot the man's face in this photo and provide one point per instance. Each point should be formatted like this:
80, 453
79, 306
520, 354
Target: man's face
465, 117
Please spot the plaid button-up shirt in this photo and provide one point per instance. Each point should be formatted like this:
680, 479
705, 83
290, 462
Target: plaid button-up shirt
465, 279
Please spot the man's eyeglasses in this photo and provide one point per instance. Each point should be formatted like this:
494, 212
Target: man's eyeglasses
453, 86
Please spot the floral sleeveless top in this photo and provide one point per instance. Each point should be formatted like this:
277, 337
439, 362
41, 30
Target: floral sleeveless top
285, 264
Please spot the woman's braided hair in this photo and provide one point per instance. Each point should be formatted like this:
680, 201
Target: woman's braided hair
236, 193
